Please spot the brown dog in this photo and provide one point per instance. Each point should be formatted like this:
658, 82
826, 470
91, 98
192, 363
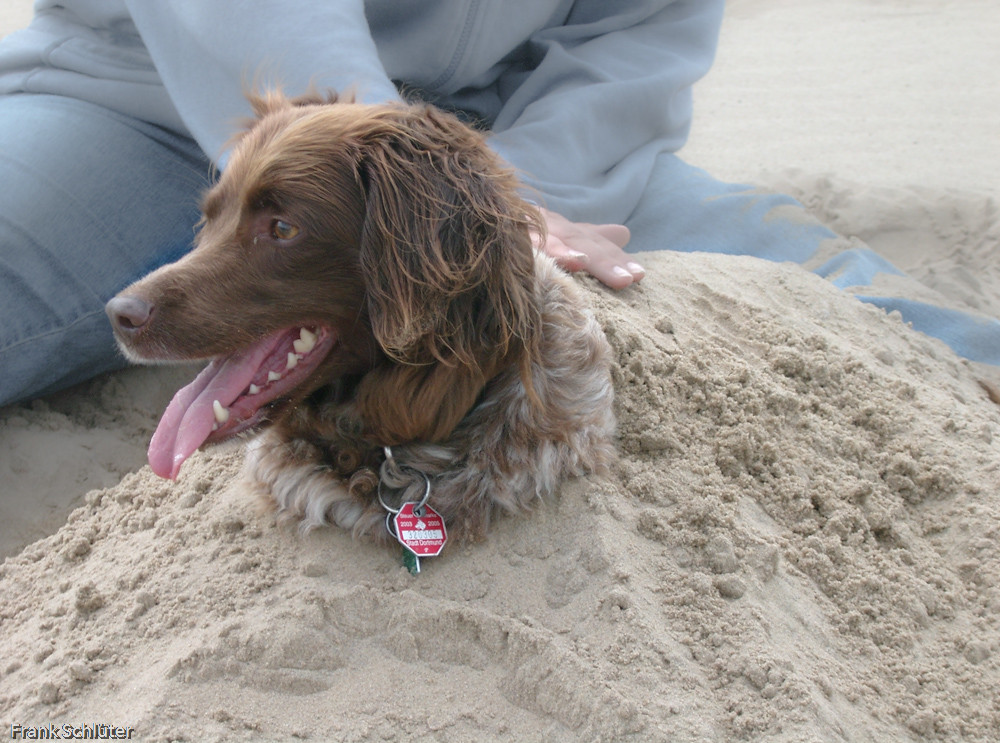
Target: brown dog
364, 277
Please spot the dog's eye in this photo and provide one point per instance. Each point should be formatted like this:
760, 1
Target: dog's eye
282, 230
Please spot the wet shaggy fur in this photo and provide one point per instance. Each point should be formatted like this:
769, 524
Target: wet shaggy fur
457, 345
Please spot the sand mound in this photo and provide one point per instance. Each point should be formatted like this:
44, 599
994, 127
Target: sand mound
800, 543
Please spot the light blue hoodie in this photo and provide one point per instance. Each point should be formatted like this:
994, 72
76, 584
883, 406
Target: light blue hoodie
580, 95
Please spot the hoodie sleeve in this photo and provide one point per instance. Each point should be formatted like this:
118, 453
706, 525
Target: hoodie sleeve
604, 94
209, 52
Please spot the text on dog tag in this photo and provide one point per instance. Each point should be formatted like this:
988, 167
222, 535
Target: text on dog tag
420, 529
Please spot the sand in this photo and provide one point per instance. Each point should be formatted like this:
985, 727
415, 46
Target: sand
801, 541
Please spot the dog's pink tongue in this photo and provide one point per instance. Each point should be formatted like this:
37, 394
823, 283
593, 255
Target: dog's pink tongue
189, 417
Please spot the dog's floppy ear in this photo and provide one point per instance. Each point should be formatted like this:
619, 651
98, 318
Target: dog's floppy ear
446, 253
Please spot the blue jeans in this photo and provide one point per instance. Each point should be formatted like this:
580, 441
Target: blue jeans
89, 201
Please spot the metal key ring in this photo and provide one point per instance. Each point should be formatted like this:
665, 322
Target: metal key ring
427, 486
421, 504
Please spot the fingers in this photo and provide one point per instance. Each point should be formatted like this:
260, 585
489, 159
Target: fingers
615, 272
565, 256
595, 248
612, 265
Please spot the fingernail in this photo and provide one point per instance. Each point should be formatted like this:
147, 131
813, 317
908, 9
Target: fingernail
635, 268
621, 272
578, 256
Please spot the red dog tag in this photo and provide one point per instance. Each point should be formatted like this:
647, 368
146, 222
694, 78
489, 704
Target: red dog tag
424, 534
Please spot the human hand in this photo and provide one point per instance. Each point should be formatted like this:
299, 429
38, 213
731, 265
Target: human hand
594, 248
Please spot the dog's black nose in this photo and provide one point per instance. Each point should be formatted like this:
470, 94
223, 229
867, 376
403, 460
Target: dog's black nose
128, 314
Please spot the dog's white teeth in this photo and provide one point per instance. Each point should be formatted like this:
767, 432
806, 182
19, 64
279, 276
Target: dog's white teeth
306, 341
221, 413
253, 389
293, 360
273, 376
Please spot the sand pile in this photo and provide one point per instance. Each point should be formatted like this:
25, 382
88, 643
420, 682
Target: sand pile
799, 543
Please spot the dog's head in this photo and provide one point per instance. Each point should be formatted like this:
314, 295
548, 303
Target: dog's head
384, 244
